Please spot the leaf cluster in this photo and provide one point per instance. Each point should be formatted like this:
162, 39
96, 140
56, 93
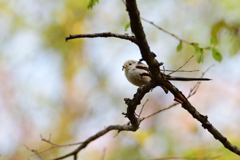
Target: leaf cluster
92, 3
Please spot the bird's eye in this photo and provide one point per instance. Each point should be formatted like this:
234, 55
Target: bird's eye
130, 64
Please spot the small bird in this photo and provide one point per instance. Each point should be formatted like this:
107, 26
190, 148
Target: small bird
138, 74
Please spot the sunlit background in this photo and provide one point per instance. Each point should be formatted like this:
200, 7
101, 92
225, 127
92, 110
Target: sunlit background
71, 90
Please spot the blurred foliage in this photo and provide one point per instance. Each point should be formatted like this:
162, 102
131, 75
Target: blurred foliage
67, 20
230, 31
92, 3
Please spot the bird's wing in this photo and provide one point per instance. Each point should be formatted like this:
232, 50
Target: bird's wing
142, 66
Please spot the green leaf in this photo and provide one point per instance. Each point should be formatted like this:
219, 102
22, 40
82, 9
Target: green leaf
197, 48
92, 3
200, 58
208, 48
216, 54
212, 40
179, 47
127, 26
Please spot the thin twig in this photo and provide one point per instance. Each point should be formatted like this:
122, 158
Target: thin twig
171, 34
45, 150
175, 36
35, 152
143, 107
167, 70
57, 145
195, 88
103, 154
207, 70
182, 65
49, 137
53, 145
161, 110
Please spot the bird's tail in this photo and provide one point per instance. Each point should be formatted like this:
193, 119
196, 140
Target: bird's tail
186, 79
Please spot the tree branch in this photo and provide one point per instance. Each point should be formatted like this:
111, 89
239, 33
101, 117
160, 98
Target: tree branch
132, 103
97, 135
104, 35
148, 56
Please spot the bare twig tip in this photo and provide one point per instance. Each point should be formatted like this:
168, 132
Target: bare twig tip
154, 55
127, 100
160, 64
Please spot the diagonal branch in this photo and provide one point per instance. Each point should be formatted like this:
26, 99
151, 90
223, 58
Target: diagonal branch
95, 136
104, 35
147, 55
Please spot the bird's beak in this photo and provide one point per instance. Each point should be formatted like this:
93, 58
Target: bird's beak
123, 67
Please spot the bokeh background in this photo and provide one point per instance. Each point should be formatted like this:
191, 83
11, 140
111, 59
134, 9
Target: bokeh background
71, 90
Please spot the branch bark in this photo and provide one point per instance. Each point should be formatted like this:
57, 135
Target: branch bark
103, 35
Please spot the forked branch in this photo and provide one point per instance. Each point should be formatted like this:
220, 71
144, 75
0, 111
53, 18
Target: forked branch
95, 136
